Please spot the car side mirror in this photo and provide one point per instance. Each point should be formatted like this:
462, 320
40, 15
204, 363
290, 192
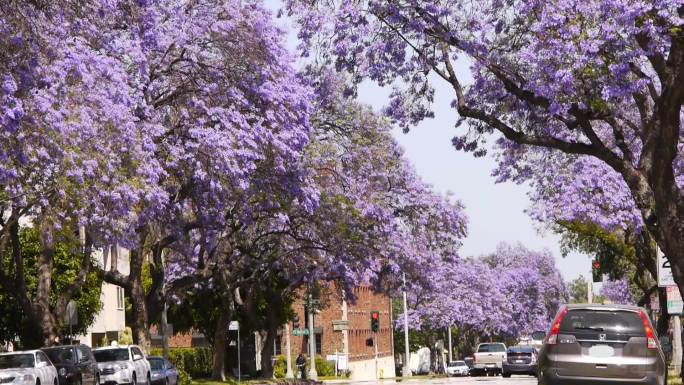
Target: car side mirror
137, 357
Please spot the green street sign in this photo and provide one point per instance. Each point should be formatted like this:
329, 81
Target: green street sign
300, 332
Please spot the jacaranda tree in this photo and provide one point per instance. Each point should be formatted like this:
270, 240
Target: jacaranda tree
597, 78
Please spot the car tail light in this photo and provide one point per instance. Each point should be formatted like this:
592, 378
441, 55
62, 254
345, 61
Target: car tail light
650, 335
552, 339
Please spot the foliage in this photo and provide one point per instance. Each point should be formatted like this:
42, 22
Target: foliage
66, 266
195, 362
617, 291
578, 289
324, 368
601, 94
125, 336
510, 293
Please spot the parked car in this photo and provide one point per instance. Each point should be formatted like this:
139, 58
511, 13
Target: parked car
457, 368
163, 371
123, 364
31, 367
520, 360
610, 344
75, 364
489, 358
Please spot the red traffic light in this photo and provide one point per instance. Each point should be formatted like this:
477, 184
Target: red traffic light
375, 315
597, 265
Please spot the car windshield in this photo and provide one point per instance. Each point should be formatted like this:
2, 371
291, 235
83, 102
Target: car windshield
60, 355
457, 363
156, 363
586, 320
108, 355
491, 348
17, 361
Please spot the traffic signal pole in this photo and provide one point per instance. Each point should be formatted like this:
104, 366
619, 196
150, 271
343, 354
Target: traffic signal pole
313, 374
289, 374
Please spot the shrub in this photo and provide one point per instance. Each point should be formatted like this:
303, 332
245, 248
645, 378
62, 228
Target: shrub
323, 367
195, 362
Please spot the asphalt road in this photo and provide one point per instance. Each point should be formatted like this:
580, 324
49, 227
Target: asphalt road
515, 380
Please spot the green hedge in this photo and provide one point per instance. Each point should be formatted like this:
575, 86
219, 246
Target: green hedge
197, 362
323, 368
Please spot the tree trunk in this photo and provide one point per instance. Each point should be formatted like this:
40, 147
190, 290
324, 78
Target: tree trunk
220, 338
140, 327
267, 350
48, 323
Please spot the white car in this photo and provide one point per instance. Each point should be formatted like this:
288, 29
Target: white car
125, 364
457, 368
31, 367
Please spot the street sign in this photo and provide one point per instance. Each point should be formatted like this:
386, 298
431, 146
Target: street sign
655, 302
300, 332
665, 277
340, 325
675, 305
234, 325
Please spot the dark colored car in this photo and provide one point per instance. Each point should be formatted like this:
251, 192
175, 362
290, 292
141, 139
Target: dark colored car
162, 371
602, 344
520, 360
75, 364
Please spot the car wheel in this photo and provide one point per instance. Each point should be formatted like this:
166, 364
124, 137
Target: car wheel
37, 381
149, 380
506, 375
97, 380
135, 379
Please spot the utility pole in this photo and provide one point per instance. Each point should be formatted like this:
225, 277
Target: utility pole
590, 292
313, 375
289, 374
406, 369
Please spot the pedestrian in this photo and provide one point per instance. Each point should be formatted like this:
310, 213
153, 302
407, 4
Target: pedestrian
301, 365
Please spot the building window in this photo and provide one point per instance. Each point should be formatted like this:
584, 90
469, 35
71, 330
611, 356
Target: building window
277, 346
319, 343
119, 298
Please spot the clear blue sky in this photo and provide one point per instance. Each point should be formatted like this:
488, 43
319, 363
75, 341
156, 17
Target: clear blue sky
495, 211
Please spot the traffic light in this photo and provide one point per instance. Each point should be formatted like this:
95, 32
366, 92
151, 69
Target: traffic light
369, 342
295, 322
375, 321
596, 271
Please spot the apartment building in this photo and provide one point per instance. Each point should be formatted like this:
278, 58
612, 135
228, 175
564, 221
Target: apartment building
112, 317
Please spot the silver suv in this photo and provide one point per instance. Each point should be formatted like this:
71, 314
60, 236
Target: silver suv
606, 344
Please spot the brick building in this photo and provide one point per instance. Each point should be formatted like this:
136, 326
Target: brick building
352, 341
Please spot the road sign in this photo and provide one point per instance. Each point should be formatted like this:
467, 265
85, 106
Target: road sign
665, 277
340, 325
675, 305
300, 332
234, 325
